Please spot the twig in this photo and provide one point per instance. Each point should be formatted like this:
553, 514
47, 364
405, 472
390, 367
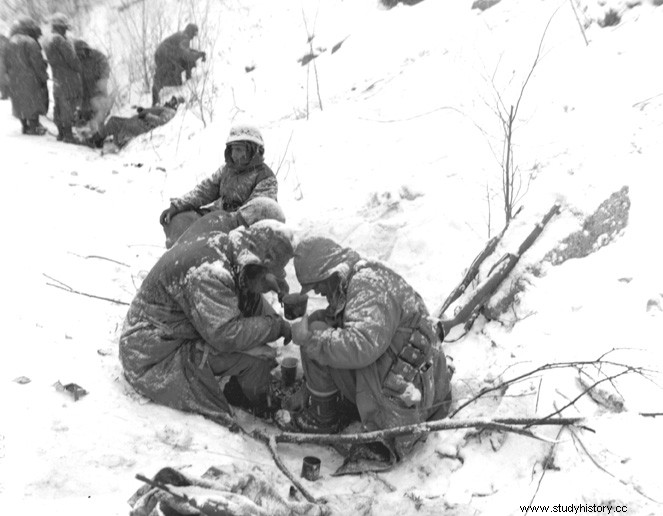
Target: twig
67, 288
507, 425
284, 153
543, 466
577, 439
100, 258
271, 444
582, 29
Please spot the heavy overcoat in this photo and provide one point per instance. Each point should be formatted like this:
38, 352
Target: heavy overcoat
193, 302
28, 78
172, 57
373, 315
231, 186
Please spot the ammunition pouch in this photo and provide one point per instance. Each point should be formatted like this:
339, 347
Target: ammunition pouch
411, 351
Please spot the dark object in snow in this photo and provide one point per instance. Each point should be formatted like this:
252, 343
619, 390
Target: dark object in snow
365, 457
22, 380
484, 4
74, 389
249, 68
311, 468
392, 3
339, 44
215, 493
104, 352
610, 19
307, 58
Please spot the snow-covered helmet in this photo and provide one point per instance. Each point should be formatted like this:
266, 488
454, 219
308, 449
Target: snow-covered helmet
245, 133
60, 20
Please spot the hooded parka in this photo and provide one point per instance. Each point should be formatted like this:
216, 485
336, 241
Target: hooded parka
381, 350
232, 186
67, 85
95, 73
26, 69
193, 305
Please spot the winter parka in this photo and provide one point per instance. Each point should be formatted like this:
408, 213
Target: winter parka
26, 69
380, 330
95, 72
192, 303
172, 57
232, 186
67, 85
4, 78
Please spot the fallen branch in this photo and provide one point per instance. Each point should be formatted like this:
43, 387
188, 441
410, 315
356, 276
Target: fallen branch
555, 365
271, 444
100, 258
67, 288
497, 275
507, 425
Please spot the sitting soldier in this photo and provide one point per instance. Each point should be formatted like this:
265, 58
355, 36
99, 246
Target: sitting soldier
199, 316
374, 346
243, 177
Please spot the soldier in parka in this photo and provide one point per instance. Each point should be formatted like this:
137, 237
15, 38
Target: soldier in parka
173, 56
255, 210
95, 72
28, 78
374, 346
4, 78
66, 68
244, 176
200, 316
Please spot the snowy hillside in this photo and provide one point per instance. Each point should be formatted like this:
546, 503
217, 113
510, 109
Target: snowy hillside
401, 162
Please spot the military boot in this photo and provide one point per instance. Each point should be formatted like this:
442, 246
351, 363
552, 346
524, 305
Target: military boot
24, 126
320, 415
35, 128
67, 135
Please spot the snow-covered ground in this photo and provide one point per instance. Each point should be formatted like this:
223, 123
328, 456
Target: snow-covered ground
397, 164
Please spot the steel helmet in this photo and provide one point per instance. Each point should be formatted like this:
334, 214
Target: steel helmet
245, 133
60, 20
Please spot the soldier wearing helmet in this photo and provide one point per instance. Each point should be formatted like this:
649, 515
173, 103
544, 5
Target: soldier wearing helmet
173, 56
244, 177
67, 85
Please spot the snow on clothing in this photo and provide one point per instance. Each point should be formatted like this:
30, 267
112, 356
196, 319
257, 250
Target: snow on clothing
374, 315
193, 306
232, 186
67, 86
26, 68
190, 225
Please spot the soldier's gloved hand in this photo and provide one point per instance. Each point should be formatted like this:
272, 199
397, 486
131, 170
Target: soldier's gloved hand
301, 332
285, 332
168, 214
203, 56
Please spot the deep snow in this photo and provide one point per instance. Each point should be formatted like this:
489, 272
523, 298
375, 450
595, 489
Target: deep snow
395, 166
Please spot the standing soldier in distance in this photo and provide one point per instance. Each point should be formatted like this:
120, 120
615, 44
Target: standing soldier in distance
66, 68
95, 72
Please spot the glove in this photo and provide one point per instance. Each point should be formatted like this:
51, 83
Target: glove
285, 332
300, 332
168, 214
203, 56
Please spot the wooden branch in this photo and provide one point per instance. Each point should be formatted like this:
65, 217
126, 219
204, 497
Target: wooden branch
100, 258
582, 29
67, 288
271, 444
498, 274
421, 429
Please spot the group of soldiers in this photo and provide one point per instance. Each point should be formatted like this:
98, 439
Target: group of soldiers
80, 77
199, 335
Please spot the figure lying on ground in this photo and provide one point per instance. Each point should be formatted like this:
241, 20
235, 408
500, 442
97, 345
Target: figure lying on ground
243, 177
122, 130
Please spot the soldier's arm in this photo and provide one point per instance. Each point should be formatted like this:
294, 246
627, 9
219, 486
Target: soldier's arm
69, 55
213, 307
370, 322
37, 62
205, 192
266, 186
